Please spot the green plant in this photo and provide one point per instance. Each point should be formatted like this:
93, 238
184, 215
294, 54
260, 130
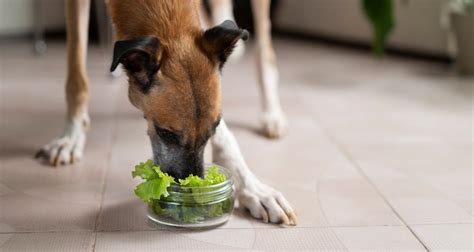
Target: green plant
381, 17
192, 209
461, 6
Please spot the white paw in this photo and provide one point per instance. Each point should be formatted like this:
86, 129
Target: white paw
275, 124
68, 148
267, 204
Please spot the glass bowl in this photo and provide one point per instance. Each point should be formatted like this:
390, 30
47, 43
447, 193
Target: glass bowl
195, 207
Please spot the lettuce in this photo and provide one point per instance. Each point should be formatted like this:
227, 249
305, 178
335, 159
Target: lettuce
154, 190
213, 177
156, 184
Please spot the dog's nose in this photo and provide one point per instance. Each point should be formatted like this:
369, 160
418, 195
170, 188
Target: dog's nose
176, 173
179, 162
183, 169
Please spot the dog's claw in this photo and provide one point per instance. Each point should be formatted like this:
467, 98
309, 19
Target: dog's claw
293, 218
264, 215
66, 149
285, 220
267, 204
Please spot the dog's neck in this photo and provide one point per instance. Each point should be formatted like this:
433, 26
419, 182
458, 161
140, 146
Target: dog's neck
169, 20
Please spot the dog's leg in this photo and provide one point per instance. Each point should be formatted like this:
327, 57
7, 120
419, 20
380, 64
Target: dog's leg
222, 10
274, 120
261, 200
69, 146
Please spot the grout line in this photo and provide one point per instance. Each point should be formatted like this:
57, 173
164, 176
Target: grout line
349, 157
236, 228
319, 178
113, 140
185, 230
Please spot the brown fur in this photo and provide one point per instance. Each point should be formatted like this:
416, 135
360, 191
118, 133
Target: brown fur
187, 99
77, 84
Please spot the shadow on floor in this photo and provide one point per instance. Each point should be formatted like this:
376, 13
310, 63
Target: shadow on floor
246, 127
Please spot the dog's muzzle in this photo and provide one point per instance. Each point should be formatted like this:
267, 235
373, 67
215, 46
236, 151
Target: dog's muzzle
177, 161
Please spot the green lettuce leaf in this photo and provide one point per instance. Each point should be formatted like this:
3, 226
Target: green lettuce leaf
192, 181
213, 177
156, 182
145, 170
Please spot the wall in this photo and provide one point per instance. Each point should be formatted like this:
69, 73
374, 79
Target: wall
417, 29
417, 26
18, 17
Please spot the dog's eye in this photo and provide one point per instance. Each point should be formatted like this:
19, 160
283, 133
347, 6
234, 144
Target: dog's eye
168, 136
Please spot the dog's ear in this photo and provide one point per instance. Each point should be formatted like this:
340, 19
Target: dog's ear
137, 55
219, 41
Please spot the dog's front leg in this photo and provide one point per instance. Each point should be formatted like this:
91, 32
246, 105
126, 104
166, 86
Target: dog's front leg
261, 200
69, 146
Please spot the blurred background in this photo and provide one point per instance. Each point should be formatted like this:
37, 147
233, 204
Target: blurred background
379, 100
429, 28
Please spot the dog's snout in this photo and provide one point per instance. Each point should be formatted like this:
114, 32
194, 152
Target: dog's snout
184, 168
179, 162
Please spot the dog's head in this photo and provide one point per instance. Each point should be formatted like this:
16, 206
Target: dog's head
177, 87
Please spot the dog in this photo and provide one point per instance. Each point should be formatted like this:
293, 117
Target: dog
173, 68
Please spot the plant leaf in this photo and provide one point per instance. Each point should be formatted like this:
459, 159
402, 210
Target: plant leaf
153, 189
380, 14
145, 170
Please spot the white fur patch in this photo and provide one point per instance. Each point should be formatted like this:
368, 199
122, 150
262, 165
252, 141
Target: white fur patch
69, 147
273, 118
261, 200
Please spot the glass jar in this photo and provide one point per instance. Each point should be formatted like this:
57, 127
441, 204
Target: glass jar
195, 207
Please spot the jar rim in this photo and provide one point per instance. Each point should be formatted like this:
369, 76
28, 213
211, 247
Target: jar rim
176, 188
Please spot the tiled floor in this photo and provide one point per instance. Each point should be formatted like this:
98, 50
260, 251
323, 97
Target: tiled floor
379, 156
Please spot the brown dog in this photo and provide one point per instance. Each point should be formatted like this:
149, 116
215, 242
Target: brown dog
173, 68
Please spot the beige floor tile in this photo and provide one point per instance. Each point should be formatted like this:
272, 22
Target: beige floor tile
250, 239
426, 210
339, 197
446, 237
415, 200
445, 172
66, 198
121, 209
380, 109
175, 240
47, 242
293, 239
378, 239
349, 200
4, 238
